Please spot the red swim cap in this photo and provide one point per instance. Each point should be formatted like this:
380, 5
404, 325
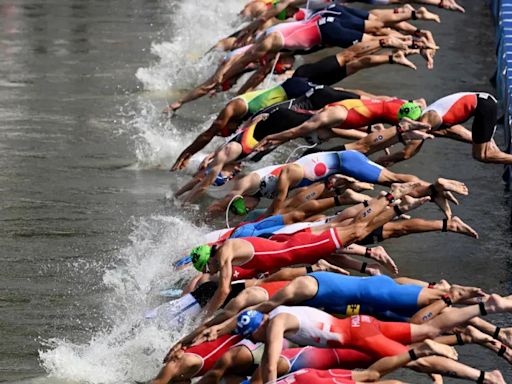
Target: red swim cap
300, 15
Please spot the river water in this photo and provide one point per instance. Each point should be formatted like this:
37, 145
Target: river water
88, 226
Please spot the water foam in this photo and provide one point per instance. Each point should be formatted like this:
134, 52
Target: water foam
130, 348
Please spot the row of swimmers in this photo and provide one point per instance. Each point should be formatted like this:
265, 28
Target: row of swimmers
275, 292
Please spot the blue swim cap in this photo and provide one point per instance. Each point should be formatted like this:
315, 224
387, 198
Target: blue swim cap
248, 321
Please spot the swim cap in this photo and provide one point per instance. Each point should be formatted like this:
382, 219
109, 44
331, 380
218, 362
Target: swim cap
200, 256
238, 207
268, 186
248, 321
300, 15
281, 15
410, 110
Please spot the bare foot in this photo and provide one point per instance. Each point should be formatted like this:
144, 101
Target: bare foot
455, 224
459, 293
443, 205
452, 6
409, 203
430, 347
399, 58
494, 377
379, 254
443, 285
352, 197
401, 189
424, 14
477, 337
342, 181
393, 42
505, 336
373, 269
495, 304
428, 54
325, 266
451, 186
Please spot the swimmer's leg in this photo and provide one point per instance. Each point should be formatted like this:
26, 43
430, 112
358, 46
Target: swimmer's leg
299, 290
448, 367
458, 316
489, 152
370, 61
266, 44
405, 227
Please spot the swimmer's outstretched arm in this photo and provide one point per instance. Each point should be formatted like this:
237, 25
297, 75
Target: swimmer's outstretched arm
225, 155
288, 177
199, 143
391, 363
456, 132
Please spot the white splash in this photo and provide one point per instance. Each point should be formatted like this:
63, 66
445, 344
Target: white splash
130, 348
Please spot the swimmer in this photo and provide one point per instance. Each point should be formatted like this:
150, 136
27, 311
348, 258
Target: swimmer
372, 20
337, 118
297, 359
304, 247
340, 26
320, 167
278, 119
241, 108
448, 113
301, 325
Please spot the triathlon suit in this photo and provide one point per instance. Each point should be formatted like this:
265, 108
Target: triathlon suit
260, 99
320, 166
321, 95
351, 295
300, 248
361, 332
298, 35
361, 113
279, 119
326, 71
211, 351
178, 312
460, 107
325, 358
341, 26
316, 376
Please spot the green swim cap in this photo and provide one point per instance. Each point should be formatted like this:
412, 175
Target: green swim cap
238, 207
410, 110
281, 15
200, 256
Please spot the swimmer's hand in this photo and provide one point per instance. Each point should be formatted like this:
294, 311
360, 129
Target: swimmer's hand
174, 352
172, 108
181, 163
209, 334
266, 143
